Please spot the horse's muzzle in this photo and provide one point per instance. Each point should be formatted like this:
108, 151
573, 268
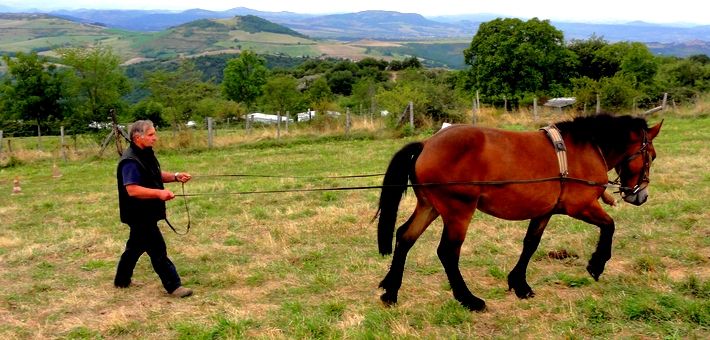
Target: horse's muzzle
637, 198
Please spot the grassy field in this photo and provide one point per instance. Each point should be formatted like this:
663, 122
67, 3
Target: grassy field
305, 265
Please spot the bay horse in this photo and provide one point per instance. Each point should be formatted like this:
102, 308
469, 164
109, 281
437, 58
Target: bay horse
513, 176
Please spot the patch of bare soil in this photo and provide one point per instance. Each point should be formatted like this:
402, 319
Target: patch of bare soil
374, 43
342, 51
136, 61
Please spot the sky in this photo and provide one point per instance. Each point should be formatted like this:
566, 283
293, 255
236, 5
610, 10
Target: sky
654, 11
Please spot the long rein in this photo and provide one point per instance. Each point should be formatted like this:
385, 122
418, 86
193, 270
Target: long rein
363, 187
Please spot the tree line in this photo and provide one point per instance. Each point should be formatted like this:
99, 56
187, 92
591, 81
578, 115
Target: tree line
510, 63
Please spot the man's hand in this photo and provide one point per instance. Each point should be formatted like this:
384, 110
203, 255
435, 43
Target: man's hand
138, 191
166, 195
182, 177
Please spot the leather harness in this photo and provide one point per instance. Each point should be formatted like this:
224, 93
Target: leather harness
560, 150
553, 133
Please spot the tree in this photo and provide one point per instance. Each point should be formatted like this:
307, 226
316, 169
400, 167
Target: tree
363, 94
511, 58
35, 90
411, 62
148, 109
100, 81
244, 77
639, 64
684, 78
179, 91
587, 54
618, 92
319, 92
341, 82
281, 94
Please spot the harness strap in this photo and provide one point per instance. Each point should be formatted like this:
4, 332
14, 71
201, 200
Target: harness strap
560, 150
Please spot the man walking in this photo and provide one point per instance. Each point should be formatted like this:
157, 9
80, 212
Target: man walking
141, 200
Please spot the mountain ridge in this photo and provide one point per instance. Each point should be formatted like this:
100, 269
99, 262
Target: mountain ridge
44, 33
385, 25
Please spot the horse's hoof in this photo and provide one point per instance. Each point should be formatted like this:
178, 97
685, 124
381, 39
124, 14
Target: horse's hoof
522, 291
474, 305
388, 300
595, 273
595, 268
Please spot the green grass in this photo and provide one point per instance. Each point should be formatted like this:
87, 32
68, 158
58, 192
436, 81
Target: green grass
305, 265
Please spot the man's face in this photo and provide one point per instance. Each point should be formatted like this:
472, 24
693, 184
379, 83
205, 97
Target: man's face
148, 139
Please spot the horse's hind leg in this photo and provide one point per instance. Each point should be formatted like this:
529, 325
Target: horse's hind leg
407, 235
516, 278
455, 226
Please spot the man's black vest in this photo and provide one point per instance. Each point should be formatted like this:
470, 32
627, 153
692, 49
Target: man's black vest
134, 210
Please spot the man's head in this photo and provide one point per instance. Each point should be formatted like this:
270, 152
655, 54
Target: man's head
143, 134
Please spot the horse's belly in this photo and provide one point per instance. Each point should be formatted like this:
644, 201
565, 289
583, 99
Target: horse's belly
517, 205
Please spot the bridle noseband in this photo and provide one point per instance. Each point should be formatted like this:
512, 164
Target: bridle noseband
643, 179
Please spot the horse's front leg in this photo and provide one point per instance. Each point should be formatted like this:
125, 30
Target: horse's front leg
406, 236
516, 279
597, 216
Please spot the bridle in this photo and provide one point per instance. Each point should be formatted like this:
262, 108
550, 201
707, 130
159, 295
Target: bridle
643, 179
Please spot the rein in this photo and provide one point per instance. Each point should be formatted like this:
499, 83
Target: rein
187, 211
552, 133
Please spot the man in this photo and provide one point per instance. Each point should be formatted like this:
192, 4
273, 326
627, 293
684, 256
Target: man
141, 200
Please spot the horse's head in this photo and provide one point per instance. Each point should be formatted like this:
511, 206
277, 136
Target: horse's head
634, 169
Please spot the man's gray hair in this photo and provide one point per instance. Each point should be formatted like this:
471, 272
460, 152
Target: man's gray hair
140, 127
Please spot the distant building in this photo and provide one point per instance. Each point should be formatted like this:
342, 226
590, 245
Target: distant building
561, 102
259, 117
305, 116
311, 114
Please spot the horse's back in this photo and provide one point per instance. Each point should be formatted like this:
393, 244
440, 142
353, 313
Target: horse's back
479, 153
470, 155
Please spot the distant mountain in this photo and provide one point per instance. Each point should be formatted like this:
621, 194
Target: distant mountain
138, 20
384, 25
637, 31
157, 20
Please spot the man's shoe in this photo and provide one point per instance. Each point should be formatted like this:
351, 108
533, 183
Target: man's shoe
181, 292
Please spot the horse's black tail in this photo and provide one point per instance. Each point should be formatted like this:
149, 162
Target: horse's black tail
399, 171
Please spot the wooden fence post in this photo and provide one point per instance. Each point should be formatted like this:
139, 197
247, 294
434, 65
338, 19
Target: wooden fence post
39, 137
288, 114
210, 131
599, 104
411, 115
473, 111
535, 108
61, 144
0, 143
347, 121
278, 124
116, 132
665, 100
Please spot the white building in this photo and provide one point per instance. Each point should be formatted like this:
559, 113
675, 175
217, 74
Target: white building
258, 117
305, 116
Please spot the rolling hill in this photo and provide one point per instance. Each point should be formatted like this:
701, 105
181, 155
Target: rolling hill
44, 33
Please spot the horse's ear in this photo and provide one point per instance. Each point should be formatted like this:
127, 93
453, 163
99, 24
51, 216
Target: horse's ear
654, 130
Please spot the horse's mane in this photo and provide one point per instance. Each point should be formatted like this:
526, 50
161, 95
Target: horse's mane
605, 130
